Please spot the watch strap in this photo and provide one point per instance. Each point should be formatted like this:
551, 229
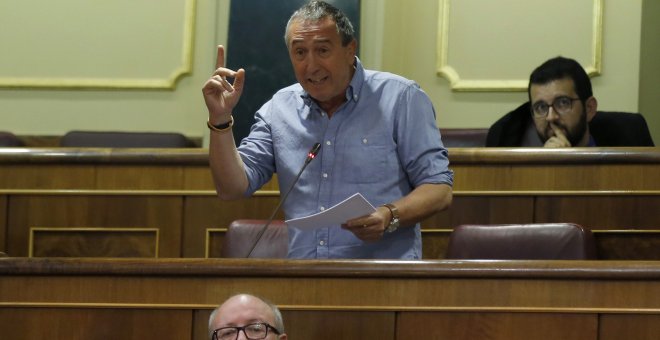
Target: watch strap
394, 221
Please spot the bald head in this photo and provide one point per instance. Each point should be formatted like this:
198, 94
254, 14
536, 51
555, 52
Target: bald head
242, 309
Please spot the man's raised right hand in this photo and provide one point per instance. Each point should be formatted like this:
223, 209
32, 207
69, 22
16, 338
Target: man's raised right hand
220, 95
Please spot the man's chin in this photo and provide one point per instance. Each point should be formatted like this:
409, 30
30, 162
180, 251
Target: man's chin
319, 96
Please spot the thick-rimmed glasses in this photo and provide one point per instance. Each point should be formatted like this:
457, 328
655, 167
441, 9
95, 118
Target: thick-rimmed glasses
561, 105
252, 331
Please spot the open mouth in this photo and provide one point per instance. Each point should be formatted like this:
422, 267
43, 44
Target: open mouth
317, 81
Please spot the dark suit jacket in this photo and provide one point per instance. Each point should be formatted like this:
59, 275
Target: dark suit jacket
607, 128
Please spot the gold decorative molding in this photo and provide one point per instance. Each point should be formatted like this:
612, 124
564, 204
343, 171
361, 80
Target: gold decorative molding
506, 85
435, 231
207, 240
596, 40
167, 83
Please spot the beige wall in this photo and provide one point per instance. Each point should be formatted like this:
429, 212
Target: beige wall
400, 36
410, 33
60, 108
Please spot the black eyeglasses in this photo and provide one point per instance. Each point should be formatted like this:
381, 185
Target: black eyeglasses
252, 331
561, 105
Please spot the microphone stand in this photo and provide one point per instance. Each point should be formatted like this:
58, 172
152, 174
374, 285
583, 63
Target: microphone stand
312, 153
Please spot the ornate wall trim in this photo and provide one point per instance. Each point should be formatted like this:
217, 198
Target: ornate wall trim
459, 83
167, 82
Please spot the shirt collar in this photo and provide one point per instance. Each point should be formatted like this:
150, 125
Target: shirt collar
355, 86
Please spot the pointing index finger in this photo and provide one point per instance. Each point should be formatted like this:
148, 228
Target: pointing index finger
220, 61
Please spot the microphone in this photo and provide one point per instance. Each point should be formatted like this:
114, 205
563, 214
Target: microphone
310, 156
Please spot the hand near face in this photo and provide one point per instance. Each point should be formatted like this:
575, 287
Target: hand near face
370, 227
559, 139
220, 95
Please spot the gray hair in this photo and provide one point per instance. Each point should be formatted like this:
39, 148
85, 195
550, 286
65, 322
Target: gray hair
316, 11
279, 322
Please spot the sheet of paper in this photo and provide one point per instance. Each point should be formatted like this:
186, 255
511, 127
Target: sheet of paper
352, 207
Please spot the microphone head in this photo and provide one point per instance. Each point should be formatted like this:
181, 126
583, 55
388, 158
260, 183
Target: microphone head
313, 152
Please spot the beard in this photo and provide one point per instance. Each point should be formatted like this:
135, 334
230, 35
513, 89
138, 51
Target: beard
573, 135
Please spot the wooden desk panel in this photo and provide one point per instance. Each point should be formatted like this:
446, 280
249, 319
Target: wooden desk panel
95, 323
208, 212
484, 209
198, 177
3, 223
600, 188
47, 176
183, 218
624, 326
94, 242
390, 299
517, 169
497, 326
628, 244
304, 324
602, 212
139, 177
68, 211
548, 176
476, 169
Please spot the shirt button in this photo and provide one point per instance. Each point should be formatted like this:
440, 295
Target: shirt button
325, 175
364, 141
322, 208
321, 243
328, 143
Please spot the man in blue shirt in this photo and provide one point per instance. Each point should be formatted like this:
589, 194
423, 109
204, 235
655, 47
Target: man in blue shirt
378, 134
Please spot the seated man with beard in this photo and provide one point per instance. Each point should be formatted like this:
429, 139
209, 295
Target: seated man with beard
562, 112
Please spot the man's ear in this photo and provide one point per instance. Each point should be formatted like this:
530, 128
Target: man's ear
591, 106
352, 49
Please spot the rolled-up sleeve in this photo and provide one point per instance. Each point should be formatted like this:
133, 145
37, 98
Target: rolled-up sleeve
420, 148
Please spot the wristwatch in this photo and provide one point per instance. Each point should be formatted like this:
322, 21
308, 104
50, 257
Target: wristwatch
394, 222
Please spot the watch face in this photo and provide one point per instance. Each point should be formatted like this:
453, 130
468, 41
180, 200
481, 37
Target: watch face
394, 225
394, 222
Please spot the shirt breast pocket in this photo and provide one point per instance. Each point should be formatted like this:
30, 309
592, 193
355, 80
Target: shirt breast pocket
369, 160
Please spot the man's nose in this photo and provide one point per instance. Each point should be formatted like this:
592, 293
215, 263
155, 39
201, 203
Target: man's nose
552, 114
312, 62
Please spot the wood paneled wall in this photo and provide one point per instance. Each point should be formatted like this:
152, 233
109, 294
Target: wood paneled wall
347, 299
161, 202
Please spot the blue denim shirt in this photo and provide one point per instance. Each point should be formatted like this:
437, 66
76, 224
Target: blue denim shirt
382, 142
